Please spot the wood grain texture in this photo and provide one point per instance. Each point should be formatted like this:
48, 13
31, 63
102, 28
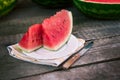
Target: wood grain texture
102, 71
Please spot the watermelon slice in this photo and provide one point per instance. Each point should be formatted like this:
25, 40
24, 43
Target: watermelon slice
32, 39
57, 29
100, 9
53, 33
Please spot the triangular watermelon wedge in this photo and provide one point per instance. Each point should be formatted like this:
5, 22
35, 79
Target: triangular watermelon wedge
32, 39
57, 29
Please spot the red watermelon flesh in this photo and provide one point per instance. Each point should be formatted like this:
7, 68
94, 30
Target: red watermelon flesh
57, 29
105, 1
32, 39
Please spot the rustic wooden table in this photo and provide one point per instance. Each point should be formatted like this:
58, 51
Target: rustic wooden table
101, 63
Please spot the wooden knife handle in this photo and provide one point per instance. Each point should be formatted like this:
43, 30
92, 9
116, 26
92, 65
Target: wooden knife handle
70, 61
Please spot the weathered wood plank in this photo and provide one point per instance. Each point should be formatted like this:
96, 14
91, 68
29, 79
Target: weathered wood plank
97, 29
102, 71
103, 49
11, 68
93, 29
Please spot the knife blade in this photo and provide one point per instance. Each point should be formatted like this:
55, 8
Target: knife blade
76, 56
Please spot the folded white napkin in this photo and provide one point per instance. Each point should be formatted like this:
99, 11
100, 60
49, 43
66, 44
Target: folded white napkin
47, 57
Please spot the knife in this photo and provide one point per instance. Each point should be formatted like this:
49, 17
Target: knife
76, 56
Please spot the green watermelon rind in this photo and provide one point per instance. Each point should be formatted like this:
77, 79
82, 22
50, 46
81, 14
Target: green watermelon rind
98, 10
54, 3
8, 8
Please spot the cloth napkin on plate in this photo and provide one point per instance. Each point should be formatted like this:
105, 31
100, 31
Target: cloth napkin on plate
47, 57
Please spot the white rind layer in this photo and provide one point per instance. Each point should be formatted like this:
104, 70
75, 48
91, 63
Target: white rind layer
28, 50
